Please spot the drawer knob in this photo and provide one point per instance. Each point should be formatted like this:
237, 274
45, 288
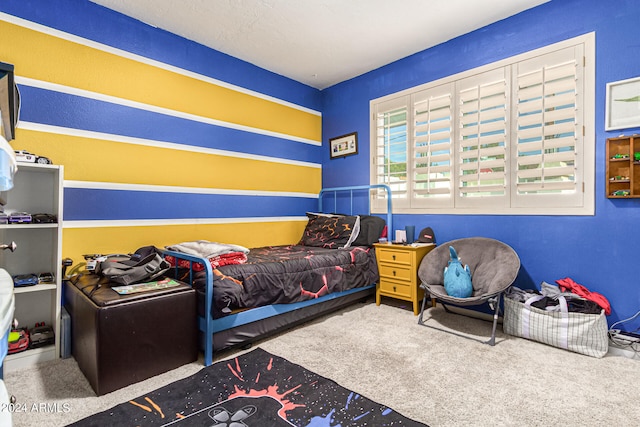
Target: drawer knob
394, 289
394, 272
394, 257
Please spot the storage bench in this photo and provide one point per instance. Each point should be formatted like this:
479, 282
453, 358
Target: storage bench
118, 340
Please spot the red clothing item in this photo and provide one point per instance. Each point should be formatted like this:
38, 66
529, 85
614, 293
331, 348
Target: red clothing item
216, 261
568, 285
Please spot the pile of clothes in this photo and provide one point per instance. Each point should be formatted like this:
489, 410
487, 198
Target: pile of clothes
578, 298
218, 254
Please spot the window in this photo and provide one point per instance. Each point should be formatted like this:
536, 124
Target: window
513, 137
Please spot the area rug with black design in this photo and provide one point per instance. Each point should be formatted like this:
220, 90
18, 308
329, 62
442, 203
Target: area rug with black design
255, 389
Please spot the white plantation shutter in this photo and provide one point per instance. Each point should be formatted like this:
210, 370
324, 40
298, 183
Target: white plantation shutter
391, 150
432, 167
512, 137
482, 140
548, 129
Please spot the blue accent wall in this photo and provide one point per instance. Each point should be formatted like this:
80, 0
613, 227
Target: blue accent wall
602, 251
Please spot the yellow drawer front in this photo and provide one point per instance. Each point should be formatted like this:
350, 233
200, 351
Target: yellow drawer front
396, 272
395, 288
401, 257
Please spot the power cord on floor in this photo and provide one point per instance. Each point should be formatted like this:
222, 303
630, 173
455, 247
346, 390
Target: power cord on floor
620, 340
614, 338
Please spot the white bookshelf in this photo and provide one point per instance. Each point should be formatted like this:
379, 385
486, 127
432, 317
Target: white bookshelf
37, 189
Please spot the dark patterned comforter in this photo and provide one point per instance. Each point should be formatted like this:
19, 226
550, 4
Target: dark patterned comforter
286, 274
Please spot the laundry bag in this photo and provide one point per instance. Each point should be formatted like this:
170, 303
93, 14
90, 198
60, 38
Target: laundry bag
578, 332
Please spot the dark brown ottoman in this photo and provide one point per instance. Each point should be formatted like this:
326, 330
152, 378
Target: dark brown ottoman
119, 340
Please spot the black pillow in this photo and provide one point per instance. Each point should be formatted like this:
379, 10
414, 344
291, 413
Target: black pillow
371, 228
330, 231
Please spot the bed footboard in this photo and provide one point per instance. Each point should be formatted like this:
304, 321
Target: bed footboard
205, 322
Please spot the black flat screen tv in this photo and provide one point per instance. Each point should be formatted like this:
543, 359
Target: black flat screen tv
9, 101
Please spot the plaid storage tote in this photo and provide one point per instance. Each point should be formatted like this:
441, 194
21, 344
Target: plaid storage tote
577, 332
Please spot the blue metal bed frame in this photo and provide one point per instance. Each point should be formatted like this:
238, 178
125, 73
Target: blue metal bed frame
209, 326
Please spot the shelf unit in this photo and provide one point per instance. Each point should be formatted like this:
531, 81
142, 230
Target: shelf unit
37, 189
623, 171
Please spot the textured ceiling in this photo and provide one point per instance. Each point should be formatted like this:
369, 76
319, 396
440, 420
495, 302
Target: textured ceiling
319, 42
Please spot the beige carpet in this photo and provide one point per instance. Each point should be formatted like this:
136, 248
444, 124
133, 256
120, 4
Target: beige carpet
382, 353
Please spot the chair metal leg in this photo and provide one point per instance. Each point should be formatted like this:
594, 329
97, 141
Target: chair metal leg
424, 304
494, 303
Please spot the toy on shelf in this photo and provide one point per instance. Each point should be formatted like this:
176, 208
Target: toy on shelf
621, 193
27, 157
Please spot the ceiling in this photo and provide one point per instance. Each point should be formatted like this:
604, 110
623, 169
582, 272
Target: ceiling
319, 42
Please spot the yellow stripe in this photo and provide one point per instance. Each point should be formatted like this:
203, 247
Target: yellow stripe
79, 241
41, 56
88, 159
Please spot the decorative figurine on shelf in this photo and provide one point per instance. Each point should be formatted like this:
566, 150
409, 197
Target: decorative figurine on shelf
621, 193
27, 157
619, 156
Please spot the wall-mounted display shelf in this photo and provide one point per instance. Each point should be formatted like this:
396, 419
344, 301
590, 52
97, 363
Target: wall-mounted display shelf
623, 167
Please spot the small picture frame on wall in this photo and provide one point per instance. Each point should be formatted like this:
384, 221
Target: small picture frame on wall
623, 104
344, 145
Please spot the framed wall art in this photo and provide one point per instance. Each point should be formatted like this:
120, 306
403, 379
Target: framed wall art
623, 104
344, 145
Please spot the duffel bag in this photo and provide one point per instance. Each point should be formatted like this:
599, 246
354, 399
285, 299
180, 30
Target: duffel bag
578, 332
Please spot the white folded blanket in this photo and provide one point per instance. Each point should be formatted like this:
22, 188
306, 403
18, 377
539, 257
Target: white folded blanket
206, 249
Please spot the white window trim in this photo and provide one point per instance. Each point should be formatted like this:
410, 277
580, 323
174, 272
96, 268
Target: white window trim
587, 171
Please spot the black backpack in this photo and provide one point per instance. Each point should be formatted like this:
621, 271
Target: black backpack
142, 266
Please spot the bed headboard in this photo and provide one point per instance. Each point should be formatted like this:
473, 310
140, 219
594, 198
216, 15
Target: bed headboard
346, 197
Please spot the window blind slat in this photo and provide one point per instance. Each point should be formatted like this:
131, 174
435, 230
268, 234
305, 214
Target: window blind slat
431, 127
484, 130
560, 156
490, 152
568, 142
558, 87
547, 186
436, 191
549, 173
440, 158
561, 70
532, 159
435, 112
529, 106
560, 100
470, 189
560, 129
559, 114
482, 165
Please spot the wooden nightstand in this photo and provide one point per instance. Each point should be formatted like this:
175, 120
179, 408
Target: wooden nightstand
398, 267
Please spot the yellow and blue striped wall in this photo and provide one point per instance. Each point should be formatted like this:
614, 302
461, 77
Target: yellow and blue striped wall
162, 140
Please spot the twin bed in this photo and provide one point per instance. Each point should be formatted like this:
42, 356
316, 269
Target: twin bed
278, 287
